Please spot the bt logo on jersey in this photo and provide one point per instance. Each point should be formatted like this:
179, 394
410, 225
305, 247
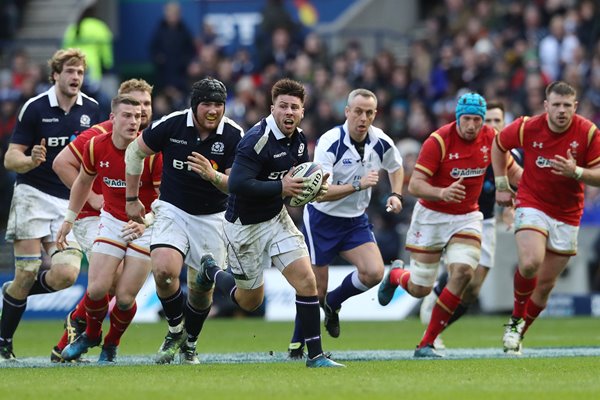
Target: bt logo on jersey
60, 141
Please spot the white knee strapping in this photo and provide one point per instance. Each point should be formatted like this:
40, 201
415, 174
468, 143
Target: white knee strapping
462, 253
71, 256
28, 262
423, 274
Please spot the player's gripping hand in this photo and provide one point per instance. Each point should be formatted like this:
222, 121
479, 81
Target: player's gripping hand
455, 193
96, 201
61, 238
324, 188
135, 211
565, 166
202, 166
132, 230
291, 187
38, 153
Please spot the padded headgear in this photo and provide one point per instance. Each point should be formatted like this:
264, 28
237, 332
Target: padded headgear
207, 90
472, 104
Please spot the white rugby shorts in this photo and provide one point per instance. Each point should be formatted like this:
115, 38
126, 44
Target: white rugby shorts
488, 243
430, 231
86, 231
254, 248
110, 242
561, 237
35, 215
193, 235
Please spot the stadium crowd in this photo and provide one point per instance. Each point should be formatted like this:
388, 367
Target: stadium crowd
506, 50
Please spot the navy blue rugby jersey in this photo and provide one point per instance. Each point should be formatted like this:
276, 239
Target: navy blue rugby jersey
176, 137
265, 154
42, 118
487, 198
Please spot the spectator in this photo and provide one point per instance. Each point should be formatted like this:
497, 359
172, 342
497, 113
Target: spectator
172, 49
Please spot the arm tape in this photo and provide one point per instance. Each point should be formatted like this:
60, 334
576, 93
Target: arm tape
134, 159
502, 184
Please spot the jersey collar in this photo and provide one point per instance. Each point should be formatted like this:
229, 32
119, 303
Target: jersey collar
54, 99
190, 122
273, 127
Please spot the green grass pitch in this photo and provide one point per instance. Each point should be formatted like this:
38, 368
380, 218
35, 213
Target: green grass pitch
238, 363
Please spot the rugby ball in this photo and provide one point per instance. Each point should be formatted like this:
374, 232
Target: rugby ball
314, 173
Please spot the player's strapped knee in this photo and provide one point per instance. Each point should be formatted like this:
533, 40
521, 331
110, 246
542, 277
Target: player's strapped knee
134, 159
71, 255
423, 274
28, 262
462, 253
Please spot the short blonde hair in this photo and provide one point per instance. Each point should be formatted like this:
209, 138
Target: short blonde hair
135, 85
64, 57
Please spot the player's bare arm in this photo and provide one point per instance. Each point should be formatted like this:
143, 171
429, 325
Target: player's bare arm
567, 166
203, 167
135, 154
421, 188
16, 160
504, 194
66, 166
79, 193
515, 172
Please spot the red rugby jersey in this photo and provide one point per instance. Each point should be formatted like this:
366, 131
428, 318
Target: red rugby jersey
77, 147
103, 159
558, 196
445, 157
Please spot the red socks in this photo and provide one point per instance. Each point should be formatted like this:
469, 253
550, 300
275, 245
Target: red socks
400, 277
95, 311
523, 287
446, 303
119, 321
532, 311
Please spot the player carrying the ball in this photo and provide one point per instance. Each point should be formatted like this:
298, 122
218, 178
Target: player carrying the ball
353, 154
258, 230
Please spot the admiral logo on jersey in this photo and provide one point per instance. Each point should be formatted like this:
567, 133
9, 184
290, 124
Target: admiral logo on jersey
114, 183
467, 172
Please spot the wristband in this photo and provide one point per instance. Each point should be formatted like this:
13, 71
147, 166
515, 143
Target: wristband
218, 178
578, 173
131, 198
502, 184
397, 195
70, 216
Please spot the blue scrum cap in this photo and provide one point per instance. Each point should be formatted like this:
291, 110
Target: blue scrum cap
470, 103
